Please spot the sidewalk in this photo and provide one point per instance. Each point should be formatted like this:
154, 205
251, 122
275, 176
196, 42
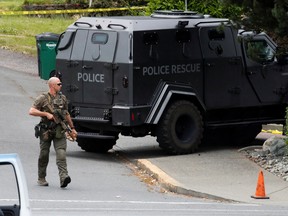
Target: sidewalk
223, 174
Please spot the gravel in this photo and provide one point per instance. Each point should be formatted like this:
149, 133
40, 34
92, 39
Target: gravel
274, 163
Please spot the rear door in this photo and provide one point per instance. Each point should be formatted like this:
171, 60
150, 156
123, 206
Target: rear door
65, 66
73, 87
98, 67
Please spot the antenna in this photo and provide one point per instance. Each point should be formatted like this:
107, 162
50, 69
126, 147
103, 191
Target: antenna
186, 5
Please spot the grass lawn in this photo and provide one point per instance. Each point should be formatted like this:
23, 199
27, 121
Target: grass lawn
18, 33
10, 4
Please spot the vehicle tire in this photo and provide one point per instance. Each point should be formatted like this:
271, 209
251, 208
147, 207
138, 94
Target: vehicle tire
180, 129
96, 145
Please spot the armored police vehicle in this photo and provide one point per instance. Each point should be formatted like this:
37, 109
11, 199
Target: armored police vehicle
174, 75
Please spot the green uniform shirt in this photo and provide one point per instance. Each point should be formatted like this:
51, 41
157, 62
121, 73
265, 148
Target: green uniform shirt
58, 102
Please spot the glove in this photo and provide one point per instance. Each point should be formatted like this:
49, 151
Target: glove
72, 136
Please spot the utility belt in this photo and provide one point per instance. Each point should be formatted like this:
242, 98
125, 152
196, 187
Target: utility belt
48, 129
48, 125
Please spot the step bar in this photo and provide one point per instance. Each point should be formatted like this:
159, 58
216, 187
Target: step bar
90, 119
95, 136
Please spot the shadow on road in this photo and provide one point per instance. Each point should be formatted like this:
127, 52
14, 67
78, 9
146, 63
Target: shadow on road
129, 148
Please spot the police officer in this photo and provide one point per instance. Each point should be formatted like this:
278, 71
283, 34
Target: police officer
45, 106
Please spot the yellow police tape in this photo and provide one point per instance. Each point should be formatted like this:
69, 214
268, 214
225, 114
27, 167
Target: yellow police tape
89, 10
272, 131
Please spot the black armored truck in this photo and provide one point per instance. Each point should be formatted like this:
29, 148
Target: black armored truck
176, 75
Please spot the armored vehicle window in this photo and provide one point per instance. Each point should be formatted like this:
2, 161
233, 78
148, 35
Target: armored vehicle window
183, 36
216, 34
216, 42
99, 38
66, 39
101, 47
259, 51
151, 38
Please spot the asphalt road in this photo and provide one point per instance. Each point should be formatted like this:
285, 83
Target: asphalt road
106, 184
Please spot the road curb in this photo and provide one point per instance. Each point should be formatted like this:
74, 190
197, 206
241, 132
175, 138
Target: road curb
170, 184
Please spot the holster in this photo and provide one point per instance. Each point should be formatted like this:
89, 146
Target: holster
37, 129
45, 130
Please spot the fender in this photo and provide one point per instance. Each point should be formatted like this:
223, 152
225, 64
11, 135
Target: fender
163, 95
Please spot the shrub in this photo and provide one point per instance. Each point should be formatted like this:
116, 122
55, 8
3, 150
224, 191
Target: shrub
215, 8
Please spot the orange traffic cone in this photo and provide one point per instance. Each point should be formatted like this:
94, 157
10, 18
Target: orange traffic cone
260, 189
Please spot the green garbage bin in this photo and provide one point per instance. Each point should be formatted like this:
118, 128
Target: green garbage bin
46, 44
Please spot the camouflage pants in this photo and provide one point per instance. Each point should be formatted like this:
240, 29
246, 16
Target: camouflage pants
60, 146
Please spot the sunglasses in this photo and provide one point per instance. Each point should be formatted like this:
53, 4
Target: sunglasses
59, 84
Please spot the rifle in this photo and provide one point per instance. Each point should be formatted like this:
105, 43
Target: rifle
60, 119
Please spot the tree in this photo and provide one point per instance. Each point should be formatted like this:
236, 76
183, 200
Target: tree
215, 8
264, 15
270, 16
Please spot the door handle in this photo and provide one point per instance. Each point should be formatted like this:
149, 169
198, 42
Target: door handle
252, 72
210, 64
87, 67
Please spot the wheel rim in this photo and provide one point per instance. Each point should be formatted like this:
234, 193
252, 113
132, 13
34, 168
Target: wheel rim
184, 127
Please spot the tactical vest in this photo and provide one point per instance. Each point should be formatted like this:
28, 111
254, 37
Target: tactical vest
54, 104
